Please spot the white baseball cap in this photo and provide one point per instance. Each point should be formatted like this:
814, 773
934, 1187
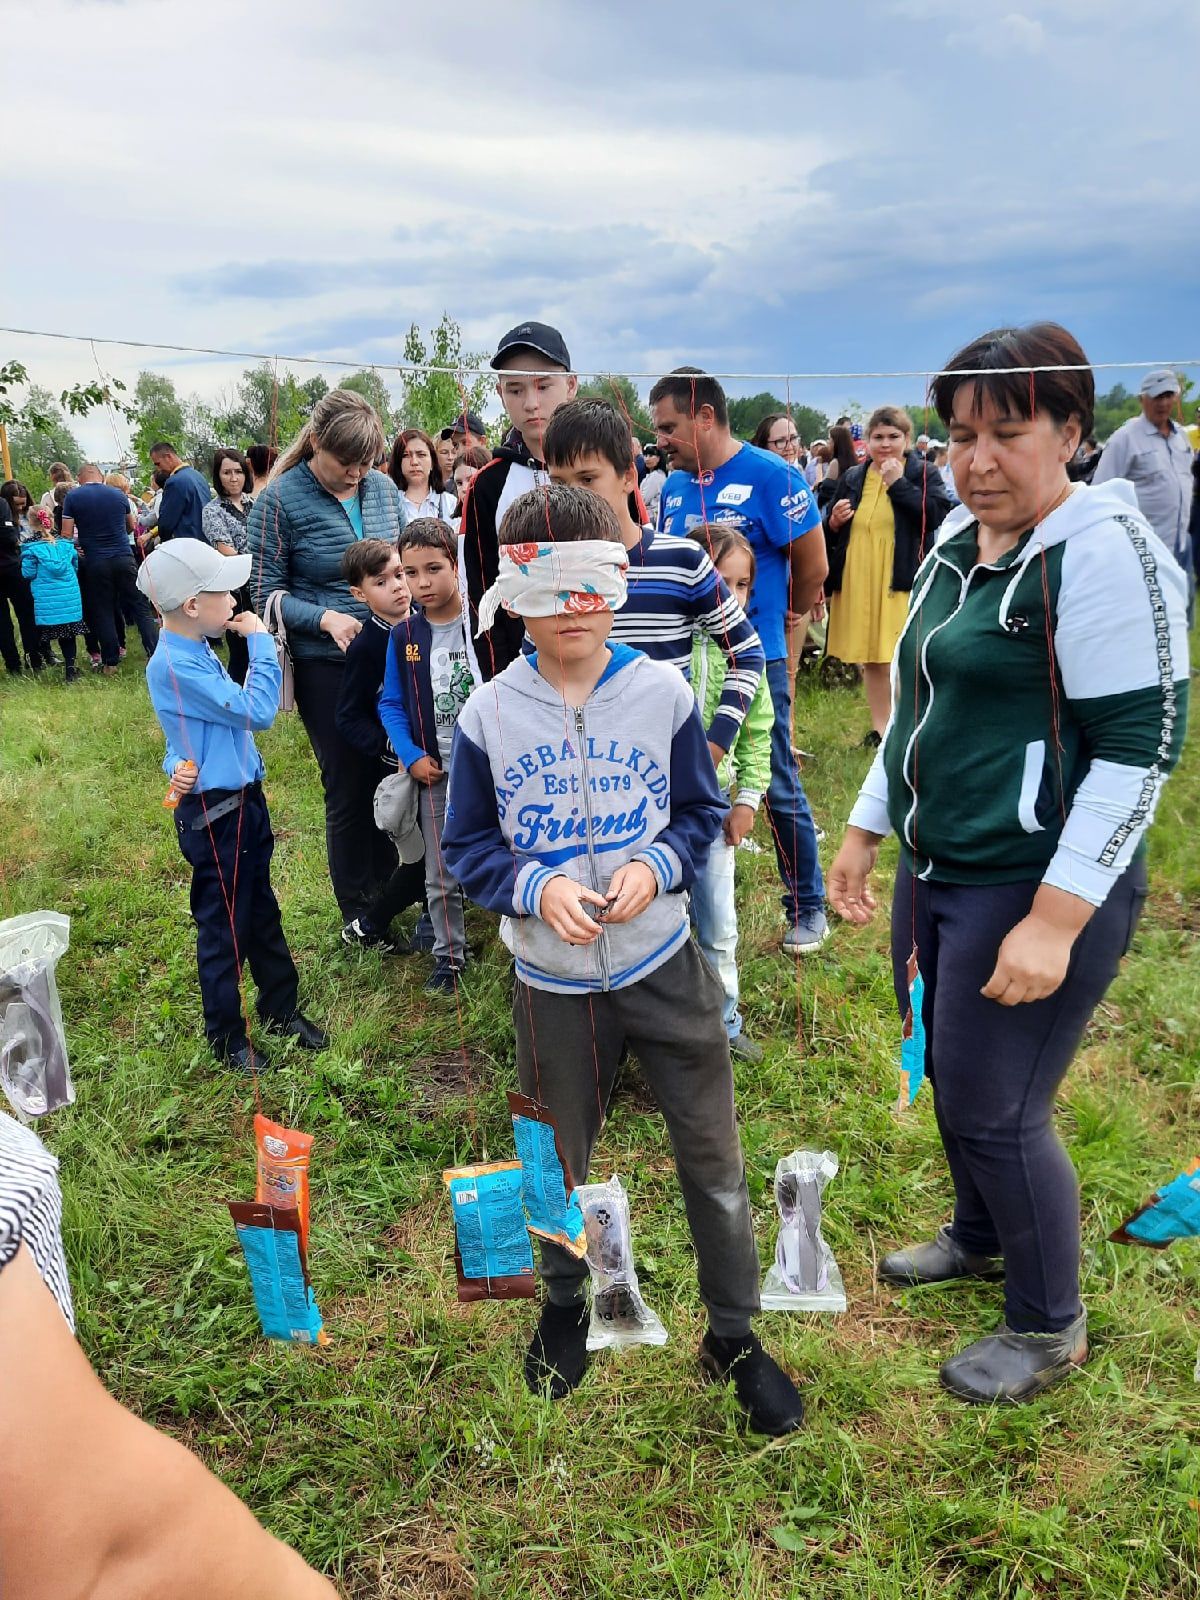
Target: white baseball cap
185, 567
1161, 381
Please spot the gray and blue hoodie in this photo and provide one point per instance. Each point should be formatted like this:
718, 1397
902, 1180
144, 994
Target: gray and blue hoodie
539, 789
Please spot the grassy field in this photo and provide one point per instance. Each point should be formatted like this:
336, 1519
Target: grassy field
408, 1458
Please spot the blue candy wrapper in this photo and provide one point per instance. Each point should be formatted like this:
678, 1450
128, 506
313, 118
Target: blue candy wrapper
270, 1241
547, 1188
492, 1253
1172, 1212
912, 1039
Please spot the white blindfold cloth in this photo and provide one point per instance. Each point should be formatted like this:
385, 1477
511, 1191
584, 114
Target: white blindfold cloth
556, 580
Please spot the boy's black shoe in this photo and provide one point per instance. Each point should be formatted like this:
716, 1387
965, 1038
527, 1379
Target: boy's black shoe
444, 977
764, 1391
557, 1357
422, 939
245, 1058
306, 1034
72, 675
364, 937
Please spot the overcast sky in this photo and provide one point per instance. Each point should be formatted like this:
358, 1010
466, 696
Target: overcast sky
763, 188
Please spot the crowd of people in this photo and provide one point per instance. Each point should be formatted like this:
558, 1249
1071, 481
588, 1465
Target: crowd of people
526, 692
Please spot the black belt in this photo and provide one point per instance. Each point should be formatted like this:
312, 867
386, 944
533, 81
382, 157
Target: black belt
213, 804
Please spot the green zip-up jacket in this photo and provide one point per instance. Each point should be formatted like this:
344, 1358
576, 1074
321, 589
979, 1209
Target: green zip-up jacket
1080, 627
748, 760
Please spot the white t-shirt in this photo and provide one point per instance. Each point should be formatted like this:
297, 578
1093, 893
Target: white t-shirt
442, 505
451, 680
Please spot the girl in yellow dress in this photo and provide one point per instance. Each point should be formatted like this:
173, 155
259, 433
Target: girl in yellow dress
876, 531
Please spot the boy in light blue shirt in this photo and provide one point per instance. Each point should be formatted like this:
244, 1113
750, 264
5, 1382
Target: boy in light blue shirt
221, 817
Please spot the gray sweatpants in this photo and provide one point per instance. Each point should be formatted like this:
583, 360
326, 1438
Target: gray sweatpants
568, 1049
442, 895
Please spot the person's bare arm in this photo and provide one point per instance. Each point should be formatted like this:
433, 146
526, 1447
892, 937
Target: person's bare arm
95, 1505
68, 528
810, 568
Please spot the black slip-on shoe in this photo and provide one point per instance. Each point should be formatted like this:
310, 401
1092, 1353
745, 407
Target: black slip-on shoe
244, 1057
306, 1034
1009, 1368
764, 1391
557, 1356
939, 1260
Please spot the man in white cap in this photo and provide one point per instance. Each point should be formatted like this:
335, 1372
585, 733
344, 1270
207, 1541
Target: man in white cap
1152, 451
221, 817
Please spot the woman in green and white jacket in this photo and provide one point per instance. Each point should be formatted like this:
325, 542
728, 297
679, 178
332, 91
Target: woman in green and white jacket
746, 769
1039, 697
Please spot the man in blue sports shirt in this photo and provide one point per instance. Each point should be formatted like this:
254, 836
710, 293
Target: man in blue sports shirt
716, 478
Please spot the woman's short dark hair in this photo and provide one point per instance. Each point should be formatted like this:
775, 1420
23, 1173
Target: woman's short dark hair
262, 458
430, 533
403, 438
220, 457
1061, 395
689, 388
559, 513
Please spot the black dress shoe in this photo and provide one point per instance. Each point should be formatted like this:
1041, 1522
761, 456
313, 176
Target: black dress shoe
764, 1391
298, 1027
245, 1058
1009, 1368
938, 1261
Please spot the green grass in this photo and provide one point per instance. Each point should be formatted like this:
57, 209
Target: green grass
408, 1457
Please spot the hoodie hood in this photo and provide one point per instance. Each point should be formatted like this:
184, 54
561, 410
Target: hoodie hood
1087, 504
515, 450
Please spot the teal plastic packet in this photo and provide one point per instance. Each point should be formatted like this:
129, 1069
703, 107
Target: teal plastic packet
492, 1254
283, 1297
547, 1188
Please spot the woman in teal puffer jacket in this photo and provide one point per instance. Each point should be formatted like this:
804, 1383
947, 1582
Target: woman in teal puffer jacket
322, 496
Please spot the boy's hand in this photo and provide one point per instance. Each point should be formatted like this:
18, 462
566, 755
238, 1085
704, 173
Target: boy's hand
426, 770
738, 824
562, 906
183, 779
246, 623
630, 890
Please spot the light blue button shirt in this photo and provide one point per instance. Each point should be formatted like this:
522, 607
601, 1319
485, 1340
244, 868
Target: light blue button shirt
206, 716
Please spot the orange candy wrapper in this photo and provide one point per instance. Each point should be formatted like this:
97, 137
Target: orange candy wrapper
173, 796
283, 1170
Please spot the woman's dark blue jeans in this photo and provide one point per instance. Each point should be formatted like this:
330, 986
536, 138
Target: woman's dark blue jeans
995, 1070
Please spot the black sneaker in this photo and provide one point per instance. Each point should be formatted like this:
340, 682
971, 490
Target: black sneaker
444, 978
244, 1057
366, 938
557, 1357
1010, 1368
768, 1396
422, 939
306, 1033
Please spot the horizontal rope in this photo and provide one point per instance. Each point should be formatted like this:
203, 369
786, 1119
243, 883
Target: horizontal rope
519, 372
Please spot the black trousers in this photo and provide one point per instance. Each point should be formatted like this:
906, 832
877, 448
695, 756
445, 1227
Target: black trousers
110, 586
236, 914
995, 1070
15, 591
361, 859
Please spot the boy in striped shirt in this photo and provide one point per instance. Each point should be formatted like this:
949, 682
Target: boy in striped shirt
675, 592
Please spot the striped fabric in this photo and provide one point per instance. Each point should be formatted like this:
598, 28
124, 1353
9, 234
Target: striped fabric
31, 1209
675, 593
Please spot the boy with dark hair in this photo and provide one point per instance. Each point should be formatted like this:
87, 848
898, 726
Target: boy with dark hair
221, 819
582, 794
430, 672
535, 379
373, 569
716, 478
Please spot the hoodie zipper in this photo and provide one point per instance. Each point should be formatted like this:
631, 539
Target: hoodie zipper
602, 942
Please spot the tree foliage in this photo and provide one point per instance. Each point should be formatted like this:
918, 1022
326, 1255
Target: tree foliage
371, 386
432, 400
39, 436
621, 392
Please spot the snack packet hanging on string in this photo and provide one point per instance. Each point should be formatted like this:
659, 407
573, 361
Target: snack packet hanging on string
804, 1276
551, 1209
492, 1253
34, 1071
283, 1156
270, 1238
912, 1037
1172, 1212
619, 1316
